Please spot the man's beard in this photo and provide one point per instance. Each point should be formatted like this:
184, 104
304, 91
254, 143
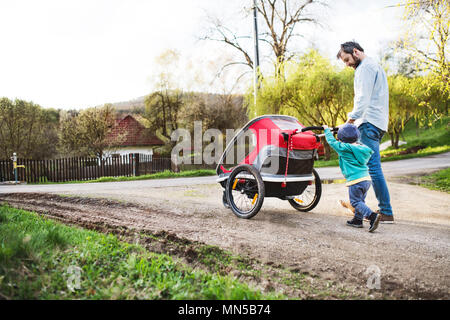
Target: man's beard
357, 61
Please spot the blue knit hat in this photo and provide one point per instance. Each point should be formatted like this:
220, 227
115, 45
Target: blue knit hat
348, 133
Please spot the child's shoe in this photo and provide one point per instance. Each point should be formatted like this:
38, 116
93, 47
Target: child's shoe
374, 219
355, 222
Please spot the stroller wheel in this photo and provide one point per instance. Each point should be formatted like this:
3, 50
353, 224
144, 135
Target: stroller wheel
245, 191
310, 197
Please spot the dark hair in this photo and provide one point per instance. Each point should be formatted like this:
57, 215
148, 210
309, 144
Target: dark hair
348, 47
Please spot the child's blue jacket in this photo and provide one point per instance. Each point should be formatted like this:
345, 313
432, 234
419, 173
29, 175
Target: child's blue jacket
353, 157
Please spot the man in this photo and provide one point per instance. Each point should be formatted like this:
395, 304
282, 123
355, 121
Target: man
371, 106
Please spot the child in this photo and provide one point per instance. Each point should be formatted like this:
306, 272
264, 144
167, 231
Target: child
353, 158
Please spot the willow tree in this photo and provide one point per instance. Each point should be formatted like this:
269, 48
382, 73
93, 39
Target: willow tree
315, 91
403, 104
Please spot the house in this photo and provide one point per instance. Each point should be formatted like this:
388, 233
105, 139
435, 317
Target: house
129, 136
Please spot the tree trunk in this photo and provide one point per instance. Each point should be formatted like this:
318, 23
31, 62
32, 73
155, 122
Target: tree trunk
391, 135
327, 150
397, 137
417, 127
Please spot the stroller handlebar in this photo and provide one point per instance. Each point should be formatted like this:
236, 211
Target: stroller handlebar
335, 129
287, 135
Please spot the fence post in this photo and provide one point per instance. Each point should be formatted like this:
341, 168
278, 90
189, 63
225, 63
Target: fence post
136, 164
173, 164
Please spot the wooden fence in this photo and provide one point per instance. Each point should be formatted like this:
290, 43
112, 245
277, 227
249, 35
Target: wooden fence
83, 168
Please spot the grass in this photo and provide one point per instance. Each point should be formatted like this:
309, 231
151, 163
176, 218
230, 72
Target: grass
160, 175
43, 259
431, 140
439, 180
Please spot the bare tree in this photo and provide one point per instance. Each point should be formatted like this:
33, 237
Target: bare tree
281, 22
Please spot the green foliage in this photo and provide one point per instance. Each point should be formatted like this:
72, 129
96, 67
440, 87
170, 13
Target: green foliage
425, 39
161, 175
34, 264
162, 109
166, 174
315, 91
219, 111
421, 141
86, 133
437, 181
402, 104
27, 129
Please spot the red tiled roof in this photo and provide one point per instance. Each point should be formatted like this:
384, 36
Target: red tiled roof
133, 133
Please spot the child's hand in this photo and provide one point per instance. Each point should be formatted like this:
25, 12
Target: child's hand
324, 126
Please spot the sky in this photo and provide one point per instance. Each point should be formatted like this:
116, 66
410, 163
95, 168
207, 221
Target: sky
76, 54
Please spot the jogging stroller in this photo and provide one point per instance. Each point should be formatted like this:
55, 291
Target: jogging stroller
271, 156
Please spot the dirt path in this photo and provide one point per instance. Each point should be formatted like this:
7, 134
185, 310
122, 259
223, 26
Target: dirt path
413, 255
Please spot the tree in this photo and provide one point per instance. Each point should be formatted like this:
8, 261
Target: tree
427, 24
162, 110
86, 133
315, 92
27, 129
162, 107
402, 105
218, 111
281, 21
426, 92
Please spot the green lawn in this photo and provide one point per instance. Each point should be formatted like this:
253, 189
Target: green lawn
40, 259
437, 181
160, 175
434, 138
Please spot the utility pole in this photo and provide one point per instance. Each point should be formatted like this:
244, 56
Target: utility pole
256, 60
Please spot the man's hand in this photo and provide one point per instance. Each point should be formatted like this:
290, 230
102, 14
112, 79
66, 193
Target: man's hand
324, 126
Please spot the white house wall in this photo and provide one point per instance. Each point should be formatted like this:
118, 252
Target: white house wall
128, 150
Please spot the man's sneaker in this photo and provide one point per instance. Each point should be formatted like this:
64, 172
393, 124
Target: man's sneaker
374, 219
355, 222
387, 219
348, 206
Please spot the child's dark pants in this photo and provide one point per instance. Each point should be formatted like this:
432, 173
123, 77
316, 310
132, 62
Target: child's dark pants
357, 194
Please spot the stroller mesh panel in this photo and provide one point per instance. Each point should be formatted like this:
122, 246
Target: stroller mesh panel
300, 162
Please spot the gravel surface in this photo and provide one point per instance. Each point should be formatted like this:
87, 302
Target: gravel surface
412, 255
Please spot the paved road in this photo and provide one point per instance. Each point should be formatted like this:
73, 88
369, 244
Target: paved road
391, 168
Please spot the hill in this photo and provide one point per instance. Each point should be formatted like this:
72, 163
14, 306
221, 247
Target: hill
137, 105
